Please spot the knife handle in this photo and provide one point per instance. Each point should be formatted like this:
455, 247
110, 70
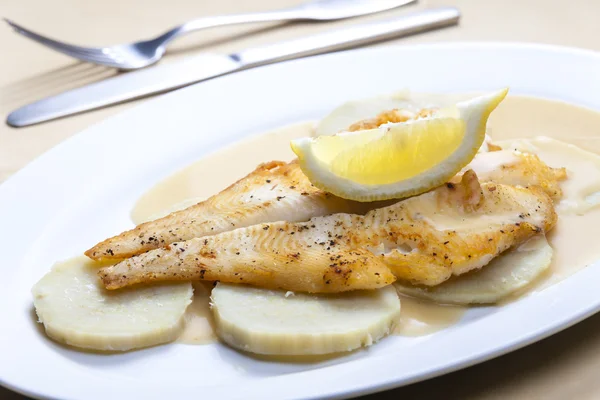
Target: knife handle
349, 37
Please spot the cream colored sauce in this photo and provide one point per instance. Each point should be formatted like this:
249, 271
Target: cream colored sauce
516, 117
526, 117
422, 317
199, 323
573, 239
216, 171
488, 163
582, 188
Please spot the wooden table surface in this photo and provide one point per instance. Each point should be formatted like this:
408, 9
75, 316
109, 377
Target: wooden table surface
560, 367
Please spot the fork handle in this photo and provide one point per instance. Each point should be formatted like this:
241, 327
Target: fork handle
349, 37
233, 19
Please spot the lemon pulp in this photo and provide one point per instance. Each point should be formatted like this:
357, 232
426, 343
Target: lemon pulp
398, 159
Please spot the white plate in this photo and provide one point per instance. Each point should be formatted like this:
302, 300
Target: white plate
83, 190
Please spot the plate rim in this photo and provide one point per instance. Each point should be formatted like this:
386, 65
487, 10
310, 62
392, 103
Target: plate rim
521, 342
462, 43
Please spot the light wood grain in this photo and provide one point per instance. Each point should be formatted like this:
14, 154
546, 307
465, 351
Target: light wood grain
563, 366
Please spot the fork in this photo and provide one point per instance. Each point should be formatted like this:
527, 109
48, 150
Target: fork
146, 52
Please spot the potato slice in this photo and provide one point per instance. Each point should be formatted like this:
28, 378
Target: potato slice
76, 310
504, 275
279, 323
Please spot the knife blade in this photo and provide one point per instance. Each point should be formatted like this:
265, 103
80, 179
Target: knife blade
162, 78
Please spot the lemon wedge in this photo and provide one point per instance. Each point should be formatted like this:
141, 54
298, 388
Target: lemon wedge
398, 160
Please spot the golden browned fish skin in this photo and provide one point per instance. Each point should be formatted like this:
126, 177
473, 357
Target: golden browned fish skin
278, 191
275, 191
255, 256
424, 239
442, 236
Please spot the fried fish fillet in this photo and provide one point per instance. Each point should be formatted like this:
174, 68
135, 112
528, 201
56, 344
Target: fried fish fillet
278, 191
275, 191
424, 239
517, 169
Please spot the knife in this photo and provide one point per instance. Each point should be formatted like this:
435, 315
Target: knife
163, 78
